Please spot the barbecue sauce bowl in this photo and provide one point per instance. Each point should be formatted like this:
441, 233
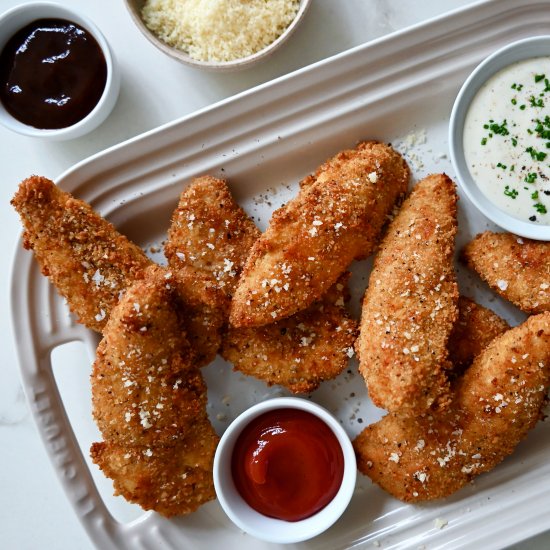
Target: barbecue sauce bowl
285, 470
58, 77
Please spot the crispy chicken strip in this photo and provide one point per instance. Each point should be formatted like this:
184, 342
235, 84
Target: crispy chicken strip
145, 389
209, 241
410, 306
86, 258
202, 321
496, 403
149, 401
173, 480
517, 269
92, 265
475, 328
337, 217
298, 352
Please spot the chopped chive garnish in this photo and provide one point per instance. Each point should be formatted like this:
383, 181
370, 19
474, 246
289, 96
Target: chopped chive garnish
536, 155
499, 129
539, 77
540, 208
484, 141
535, 195
512, 193
536, 102
541, 131
531, 177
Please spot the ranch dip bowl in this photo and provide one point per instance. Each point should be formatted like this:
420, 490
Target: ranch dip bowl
499, 137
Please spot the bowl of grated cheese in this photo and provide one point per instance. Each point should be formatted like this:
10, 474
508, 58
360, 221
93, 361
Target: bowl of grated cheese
217, 35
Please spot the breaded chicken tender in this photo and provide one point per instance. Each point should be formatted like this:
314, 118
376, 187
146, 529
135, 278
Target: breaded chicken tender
92, 265
86, 258
172, 480
298, 352
495, 404
209, 241
475, 328
410, 306
202, 321
516, 268
336, 217
145, 389
149, 401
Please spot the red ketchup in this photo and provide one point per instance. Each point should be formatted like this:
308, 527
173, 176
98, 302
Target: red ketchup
287, 464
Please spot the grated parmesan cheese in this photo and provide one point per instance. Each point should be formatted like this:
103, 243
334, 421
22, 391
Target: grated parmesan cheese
219, 30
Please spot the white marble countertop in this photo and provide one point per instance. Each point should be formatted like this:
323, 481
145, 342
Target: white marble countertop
34, 512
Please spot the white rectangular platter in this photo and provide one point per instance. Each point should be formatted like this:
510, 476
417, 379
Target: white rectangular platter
399, 89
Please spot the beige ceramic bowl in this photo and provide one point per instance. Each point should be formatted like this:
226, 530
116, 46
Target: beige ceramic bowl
135, 6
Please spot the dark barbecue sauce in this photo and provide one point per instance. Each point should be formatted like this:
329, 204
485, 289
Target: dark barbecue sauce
287, 464
52, 74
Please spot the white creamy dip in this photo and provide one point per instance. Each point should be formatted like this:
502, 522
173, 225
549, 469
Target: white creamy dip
507, 139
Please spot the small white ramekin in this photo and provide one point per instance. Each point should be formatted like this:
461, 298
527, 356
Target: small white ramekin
263, 527
16, 18
537, 46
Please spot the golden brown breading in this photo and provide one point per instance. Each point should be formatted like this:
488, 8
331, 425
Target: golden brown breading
298, 352
410, 305
202, 321
496, 403
172, 480
209, 239
149, 401
516, 268
92, 265
337, 217
145, 389
85, 257
475, 328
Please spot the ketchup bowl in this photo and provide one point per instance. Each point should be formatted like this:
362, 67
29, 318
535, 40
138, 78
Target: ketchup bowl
284, 470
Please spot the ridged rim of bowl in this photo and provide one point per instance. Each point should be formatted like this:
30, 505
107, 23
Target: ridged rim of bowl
240, 63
